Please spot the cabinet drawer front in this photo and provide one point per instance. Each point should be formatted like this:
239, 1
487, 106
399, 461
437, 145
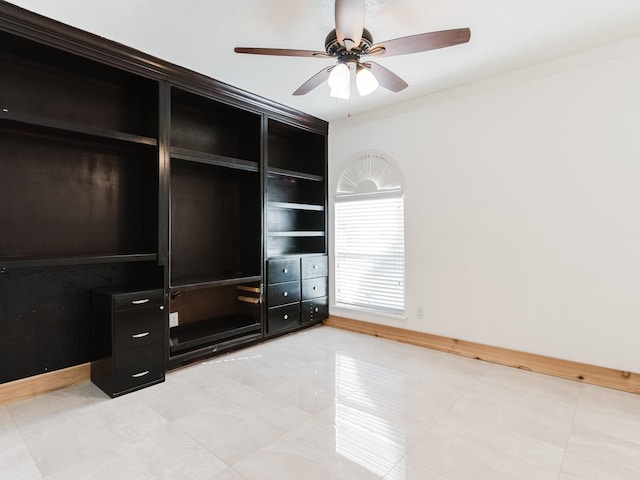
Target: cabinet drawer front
313, 267
314, 310
135, 328
283, 318
138, 367
280, 271
135, 300
314, 287
283, 293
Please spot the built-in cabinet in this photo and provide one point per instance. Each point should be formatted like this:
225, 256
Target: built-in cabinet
79, 193
297, 292
122, 173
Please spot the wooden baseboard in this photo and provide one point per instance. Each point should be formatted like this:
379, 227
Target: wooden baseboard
47, 382
604, 377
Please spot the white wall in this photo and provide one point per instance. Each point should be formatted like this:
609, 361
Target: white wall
522, 207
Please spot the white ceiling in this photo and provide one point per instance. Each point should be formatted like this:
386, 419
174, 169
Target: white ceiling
505, 35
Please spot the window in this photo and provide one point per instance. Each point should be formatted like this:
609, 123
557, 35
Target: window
369, 235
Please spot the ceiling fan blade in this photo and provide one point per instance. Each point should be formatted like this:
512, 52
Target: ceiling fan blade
314, 81
424, 41
349, 22
282, 52
386, 78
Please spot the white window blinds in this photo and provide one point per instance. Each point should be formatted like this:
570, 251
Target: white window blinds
369, 251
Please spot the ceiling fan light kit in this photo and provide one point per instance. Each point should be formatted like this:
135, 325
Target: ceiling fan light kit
340, 77
366, 82
350, 41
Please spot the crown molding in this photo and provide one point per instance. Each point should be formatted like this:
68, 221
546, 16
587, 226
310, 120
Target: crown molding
595, 55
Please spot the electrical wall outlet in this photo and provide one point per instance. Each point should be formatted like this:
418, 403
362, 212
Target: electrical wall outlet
173, 319
420, 313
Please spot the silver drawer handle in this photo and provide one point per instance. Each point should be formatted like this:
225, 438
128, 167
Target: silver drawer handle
141, 374
139, 302
315, 266
285, 271
286, 294
286, 317
140, 335
315, 288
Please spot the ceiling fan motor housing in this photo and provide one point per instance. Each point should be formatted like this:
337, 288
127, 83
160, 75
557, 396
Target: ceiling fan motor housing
333, 47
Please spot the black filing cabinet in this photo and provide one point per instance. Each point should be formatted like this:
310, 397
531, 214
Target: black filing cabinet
127, 339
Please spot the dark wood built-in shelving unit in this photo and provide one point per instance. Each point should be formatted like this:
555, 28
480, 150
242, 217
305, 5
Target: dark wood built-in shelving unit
124, 172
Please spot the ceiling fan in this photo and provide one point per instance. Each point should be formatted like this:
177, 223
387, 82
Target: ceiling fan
349, 42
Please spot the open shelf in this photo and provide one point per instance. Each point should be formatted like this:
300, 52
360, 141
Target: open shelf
215, 223
194, 335
203, 125
296, 191
192, 283
289, 191
44, 87
295, 151
281, 172
37, 124
296, 206
284, 245
7, 263
214, 160
214, 314
297, 233
180, 358
62, 201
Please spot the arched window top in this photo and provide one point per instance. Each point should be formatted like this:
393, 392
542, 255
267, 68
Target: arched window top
369, 235
370, 172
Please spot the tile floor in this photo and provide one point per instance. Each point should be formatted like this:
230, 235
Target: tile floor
329, 404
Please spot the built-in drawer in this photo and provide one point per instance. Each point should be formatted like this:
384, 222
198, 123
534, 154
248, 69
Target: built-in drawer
136, 367
314, 287
139, 299
283, 293
314, 310
138, 327
285, 270
315, 266
283, 318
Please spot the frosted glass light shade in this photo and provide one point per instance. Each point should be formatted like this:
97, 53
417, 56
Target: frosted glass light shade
339, 78
365, 81
341, 94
